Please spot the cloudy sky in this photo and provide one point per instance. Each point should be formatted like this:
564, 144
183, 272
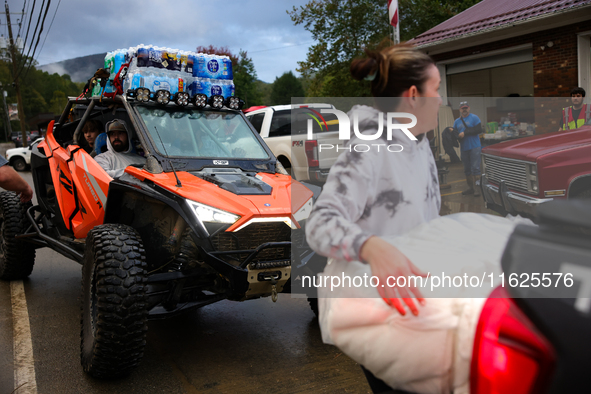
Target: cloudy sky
83, 27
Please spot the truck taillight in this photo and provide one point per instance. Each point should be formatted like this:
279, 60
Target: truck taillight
311, 148
510, 355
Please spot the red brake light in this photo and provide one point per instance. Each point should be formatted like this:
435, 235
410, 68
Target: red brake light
311, 148
510, 355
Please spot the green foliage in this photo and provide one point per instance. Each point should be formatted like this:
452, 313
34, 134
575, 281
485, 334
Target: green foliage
245, 74
245, 78
284, 88
40, 91
58, 102
418, 16
342, 29
264, 89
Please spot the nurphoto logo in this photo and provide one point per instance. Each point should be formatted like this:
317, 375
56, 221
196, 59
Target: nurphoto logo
345, 129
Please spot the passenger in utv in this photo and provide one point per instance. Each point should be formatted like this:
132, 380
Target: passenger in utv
119, 152
369, 195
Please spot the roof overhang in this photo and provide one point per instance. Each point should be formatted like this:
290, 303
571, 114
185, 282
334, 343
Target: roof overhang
510, 30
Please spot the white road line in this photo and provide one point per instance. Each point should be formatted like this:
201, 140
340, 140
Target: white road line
24, 364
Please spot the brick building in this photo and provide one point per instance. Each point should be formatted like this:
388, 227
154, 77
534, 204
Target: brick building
508, 48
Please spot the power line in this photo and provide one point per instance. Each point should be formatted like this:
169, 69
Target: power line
38, 36
22, 66
29, 26
285, 46
20, 24
51, 24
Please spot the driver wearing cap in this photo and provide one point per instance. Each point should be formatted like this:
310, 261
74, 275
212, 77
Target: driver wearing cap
119, 152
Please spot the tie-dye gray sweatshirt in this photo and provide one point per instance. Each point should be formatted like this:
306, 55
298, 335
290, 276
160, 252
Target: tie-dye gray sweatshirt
374, 193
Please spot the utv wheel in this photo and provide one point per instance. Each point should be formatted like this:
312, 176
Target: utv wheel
114, 309
16, 257
19, 164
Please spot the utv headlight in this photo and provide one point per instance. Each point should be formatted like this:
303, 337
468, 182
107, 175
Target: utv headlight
304, 211
207, 214
162, 97
216, 102
234, 103
181, 99
200, 100
142, 95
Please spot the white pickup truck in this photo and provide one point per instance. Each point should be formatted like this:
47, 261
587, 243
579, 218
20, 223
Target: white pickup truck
305, 159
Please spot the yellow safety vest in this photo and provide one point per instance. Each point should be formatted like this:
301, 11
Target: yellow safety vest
567, 115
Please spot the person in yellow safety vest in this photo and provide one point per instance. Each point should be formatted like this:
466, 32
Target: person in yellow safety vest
578, 114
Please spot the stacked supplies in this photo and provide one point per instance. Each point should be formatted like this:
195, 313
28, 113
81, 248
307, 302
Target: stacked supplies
173, 70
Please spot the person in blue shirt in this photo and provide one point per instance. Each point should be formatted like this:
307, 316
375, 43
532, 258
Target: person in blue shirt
469, 127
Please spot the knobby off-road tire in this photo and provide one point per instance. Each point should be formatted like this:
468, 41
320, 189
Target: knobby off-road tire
114, 309
16, 257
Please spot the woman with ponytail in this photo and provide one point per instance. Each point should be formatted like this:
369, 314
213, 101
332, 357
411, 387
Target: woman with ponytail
383, 192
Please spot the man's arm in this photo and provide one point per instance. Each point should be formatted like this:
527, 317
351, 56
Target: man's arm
12, 181
473, 130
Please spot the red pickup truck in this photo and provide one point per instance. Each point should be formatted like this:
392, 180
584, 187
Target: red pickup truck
521, 174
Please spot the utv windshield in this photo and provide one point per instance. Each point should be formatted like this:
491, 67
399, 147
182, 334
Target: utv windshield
196, 133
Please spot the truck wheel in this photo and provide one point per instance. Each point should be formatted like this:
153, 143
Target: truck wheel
287, 165
16, 257
19, 164
114, 308
583, 195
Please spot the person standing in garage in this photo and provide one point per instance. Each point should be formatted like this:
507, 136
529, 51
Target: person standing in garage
469, 127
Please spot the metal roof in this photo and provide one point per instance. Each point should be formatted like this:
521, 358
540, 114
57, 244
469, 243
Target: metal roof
491, 14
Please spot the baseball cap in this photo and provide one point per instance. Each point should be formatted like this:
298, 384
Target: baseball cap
116, 124
464, 104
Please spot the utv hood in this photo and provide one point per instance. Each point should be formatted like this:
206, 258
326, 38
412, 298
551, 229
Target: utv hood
531, 148
262, 195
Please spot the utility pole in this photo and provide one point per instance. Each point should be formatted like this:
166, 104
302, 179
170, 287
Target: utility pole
7, 129
12, 48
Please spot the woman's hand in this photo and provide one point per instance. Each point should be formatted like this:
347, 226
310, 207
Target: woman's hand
387, 261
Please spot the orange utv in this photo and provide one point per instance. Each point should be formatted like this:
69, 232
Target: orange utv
208, 217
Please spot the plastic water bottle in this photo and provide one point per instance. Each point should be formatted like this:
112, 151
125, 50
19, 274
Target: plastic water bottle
143, 56
118, 61
227, 72
215, 87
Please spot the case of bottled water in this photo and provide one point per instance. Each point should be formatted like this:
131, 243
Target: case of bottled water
174, 70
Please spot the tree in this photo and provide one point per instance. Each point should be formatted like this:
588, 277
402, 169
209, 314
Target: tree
58, 102
38, 89
245, 78
285, 87
344, 28
244, 72
418, 16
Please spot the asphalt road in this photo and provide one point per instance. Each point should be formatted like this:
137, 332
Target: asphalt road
251, 347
